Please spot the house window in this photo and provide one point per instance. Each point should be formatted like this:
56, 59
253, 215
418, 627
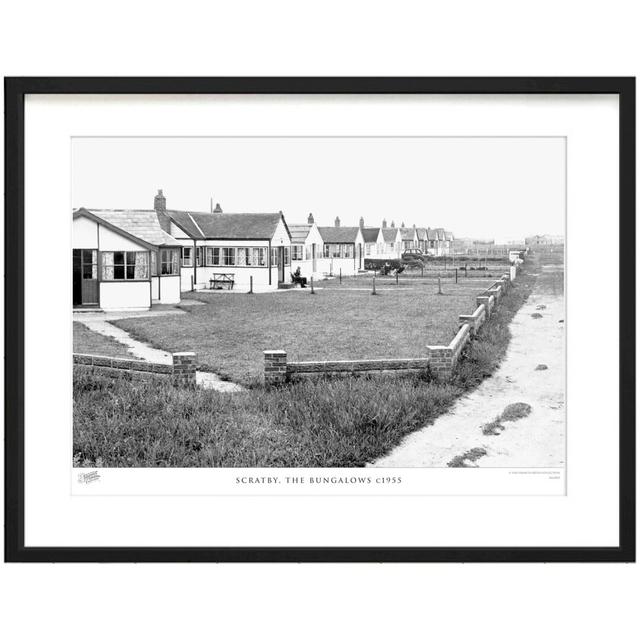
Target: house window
308, 252
242, 257
199, 256
348, 250
274, 256
228, 256
367, 249
187, 257
259, 256
287, 255
297, 252
168, 262
336, 251
125, 265
212, 256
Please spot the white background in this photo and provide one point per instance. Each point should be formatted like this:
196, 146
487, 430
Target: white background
400, 38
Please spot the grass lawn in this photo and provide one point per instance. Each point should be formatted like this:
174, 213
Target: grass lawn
231, 331
316, 422
87, 341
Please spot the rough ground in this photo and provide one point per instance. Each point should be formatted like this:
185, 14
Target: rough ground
537, 440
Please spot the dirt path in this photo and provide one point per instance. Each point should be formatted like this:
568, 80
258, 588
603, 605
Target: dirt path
537, 440
100, 323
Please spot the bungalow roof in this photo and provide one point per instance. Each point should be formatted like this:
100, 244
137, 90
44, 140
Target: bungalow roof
389, 234
370, 234
335, 235
227, 226
299, 232
141, 224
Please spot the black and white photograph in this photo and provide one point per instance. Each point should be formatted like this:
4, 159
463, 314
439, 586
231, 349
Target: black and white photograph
306, 302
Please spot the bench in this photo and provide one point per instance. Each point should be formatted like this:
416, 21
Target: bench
221, 281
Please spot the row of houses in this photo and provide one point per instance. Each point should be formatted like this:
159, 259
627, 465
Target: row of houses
391, 241
130, 259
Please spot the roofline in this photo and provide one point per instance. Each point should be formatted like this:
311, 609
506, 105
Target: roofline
82, 211
206, 237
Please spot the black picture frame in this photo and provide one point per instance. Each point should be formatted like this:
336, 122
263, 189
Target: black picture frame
15, 91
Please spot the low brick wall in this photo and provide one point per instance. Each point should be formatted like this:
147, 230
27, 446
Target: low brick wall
182, 369
475, 320
441, 359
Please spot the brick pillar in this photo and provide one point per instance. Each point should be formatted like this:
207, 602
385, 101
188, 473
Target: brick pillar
184, 368
441, 361
275, 367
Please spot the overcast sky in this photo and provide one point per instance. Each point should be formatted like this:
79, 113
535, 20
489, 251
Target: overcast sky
502, 188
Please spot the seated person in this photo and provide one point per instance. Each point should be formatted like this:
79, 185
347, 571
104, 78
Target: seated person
297, 278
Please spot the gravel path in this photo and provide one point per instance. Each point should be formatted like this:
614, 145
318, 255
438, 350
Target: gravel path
100, 323
537, 440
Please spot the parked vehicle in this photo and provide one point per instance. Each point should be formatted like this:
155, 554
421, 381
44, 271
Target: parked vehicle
412, 255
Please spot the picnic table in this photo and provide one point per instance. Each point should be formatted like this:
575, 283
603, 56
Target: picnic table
221, 280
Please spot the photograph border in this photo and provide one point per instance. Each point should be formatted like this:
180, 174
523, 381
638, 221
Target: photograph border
15, 91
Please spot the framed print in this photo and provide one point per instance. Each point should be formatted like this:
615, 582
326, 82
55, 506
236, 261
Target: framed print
320, 319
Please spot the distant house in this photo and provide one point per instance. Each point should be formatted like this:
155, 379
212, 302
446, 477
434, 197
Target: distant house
423, 239
307, 249
440, 241
409, 238
373, 240
343, 247
392, 242
448, 243
433, 242
243, 245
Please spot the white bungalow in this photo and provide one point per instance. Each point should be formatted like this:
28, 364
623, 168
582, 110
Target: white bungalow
449, 243
423, 239
343, 248
238, 250
123, 259
392, 242
307, 250
409, 238
373, 241
436, 241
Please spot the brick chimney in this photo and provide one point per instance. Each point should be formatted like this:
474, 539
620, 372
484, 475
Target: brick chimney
361, 222
393, 224
384, 223
310, 219
402, 225
160, 202
337, 222
218, 208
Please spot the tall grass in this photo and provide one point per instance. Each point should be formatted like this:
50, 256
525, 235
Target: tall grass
315, 423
